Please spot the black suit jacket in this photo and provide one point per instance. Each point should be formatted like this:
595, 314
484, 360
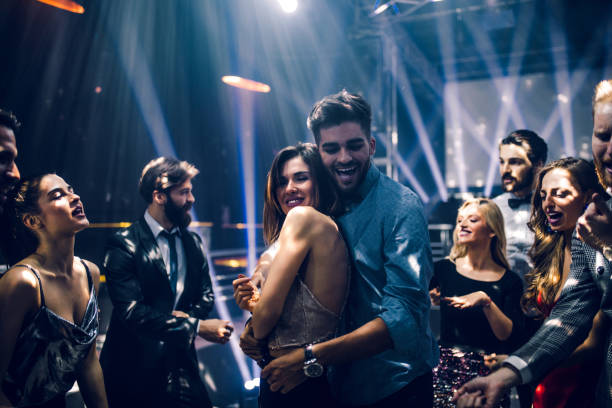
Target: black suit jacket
143, 337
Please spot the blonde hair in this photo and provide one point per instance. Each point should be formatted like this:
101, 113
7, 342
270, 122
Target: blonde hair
495, 221
603, 93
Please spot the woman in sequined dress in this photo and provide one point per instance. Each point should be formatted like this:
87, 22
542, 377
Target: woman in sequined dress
305, 273
48, 307
479, 298
563, 190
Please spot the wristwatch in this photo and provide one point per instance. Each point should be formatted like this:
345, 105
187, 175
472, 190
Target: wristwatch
607, 253
312, 368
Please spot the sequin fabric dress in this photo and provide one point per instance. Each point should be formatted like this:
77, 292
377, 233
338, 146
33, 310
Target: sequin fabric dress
48, 351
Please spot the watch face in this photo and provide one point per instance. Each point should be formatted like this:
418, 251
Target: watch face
313, 370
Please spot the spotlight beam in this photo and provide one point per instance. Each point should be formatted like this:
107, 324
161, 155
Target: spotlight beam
405, 89
577, 79
451, 98
404, 168
562, 83
485, 47
519, 45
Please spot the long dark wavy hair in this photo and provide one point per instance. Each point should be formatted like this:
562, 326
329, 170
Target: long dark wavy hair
19, 240
547, 252
325, 196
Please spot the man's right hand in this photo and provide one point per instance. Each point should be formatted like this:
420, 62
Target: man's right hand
215, 330
486, 391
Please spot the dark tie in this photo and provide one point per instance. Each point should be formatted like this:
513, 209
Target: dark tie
173, 259
515, 203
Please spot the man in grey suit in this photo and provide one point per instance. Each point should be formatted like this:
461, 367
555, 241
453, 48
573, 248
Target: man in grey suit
587, 290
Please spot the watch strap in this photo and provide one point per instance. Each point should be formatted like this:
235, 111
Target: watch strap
308, 354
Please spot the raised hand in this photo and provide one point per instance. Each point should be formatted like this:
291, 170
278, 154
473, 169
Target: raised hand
594, 227
246, 293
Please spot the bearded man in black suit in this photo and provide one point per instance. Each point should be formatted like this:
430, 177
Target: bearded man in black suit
158, 281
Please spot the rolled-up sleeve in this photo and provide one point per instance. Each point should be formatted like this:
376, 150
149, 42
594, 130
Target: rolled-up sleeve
408, 268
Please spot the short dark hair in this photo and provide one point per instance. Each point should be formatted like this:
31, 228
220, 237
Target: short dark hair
338, 108
9, 120
162, 174
536, 147
325, 196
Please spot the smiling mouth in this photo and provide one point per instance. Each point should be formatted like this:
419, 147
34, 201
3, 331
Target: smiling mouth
346, 173
294, 201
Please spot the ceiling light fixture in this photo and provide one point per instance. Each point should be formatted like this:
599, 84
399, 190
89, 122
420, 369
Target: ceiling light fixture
247, 84
67, 5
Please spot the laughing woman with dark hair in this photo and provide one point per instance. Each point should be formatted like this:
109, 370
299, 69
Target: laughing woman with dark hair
48, 306
563, 189
306, 273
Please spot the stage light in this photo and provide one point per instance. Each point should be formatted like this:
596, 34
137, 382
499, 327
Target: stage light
380, 9
244, 83
288, 6
98, 89
67, 5
562, 98
251, 384
232, 262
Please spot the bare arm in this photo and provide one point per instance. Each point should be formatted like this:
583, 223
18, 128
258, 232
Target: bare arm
19, 297
91, 381
89, 375
500, 324
369, 339
295, 241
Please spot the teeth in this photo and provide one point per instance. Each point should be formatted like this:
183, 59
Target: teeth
346, 171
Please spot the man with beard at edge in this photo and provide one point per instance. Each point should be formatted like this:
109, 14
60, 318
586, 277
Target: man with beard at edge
588, 288
158, 281
9, 174
521, 154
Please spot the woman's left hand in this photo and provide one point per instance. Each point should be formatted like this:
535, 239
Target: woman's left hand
468, 301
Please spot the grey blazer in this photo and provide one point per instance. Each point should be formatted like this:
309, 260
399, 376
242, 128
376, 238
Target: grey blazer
587, 289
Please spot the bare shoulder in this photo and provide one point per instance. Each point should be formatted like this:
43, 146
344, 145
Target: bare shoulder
309, 221
20, 283
93, 269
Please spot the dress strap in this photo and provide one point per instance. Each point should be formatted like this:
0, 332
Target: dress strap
42, 296
89, 278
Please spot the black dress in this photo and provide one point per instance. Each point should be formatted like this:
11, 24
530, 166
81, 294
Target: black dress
465, 335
